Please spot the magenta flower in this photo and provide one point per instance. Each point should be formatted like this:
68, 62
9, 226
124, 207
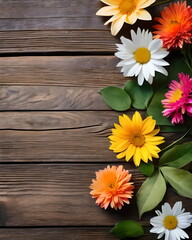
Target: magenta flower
178, 99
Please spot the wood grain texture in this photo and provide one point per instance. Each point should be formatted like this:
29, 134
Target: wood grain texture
39, 25
58, 195
35, 41
83, 233
50, 98
57, 25
68, 71
75, 136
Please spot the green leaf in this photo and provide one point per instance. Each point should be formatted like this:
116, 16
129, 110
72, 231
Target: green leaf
146, 168
151, 193
179, 128
140, 95
159, 81
155, 108
116, 98
177, 65
178, 156
179, 179
127, 228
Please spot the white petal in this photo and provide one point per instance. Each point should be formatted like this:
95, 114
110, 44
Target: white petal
166, 234
151, 70
182, 233
161, 70
143, 15
130, 61
128, 43
176, 210
157, 230
173, 235
107, 11
126, 71
138, 69
147, 39
159, 54
166, 209
150, 80
183, 224
123, 55
156, 220
159, 62
125, 68
117, 25
145, 72
133, 69
160, 235
121, 64
158, 212
140, 78
136, 36
155, 45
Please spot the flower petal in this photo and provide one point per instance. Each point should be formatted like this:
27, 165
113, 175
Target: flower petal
155, 45
145, 3
107, 11
131, 19
112, 2
117, 25
142, 14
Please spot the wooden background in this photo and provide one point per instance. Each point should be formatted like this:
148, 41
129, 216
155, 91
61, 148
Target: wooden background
55, 56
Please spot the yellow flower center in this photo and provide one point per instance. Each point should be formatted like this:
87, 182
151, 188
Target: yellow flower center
142, 55
170, 222
127, 6
176, 95
137, 139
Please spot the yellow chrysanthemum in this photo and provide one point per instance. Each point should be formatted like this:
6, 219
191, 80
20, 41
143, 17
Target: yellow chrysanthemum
135, 138
124, 11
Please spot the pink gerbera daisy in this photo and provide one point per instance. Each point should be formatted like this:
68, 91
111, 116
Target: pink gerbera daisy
178, 99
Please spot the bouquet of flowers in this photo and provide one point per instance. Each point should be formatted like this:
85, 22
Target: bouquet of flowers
158, 63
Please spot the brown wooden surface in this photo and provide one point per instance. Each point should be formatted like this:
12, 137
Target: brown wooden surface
55, 56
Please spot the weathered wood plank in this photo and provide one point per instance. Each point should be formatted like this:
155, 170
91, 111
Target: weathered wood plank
72, 233
69, 136
69, 71
52, 14
50, 98
66, 26
58, 195
81, 233
91, 41
60, 136
39, 25
67, 120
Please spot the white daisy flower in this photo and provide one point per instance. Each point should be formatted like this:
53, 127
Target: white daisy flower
142, 56
171, 222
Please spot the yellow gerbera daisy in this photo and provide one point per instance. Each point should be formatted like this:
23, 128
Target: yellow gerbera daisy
124, 11
135, 138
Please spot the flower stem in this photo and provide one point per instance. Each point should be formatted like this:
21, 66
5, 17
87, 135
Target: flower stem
158, 3
173, 143
186, 51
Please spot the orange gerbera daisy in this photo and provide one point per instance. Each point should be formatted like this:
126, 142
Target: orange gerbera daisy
112, 187
124, 11
175, 26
